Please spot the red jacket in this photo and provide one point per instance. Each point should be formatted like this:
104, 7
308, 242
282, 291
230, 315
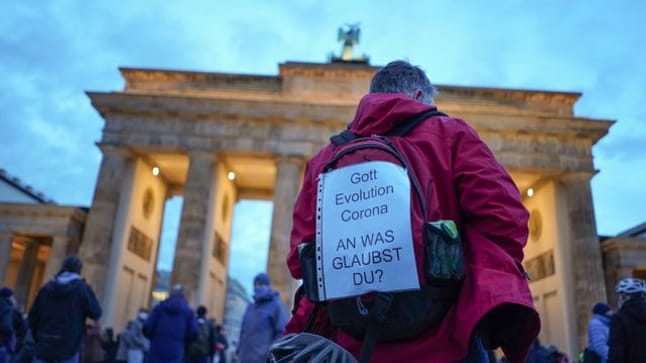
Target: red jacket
462, 181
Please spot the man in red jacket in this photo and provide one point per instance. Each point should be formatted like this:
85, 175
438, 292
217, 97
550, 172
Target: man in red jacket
461, 181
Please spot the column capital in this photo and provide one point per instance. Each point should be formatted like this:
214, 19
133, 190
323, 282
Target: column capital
4, 233
112, 149
578, 176
202, 155
60, 237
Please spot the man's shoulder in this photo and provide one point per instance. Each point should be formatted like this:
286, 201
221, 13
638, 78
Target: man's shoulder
445, 124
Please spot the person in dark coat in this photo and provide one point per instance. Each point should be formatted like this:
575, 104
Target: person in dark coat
57, 317
221, 343
627, 340
202, 349
7, 333
169, 327
263, 321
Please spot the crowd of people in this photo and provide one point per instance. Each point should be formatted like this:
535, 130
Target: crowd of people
62, 326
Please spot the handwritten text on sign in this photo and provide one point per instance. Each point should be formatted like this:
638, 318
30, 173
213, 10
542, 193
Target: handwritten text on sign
365, 241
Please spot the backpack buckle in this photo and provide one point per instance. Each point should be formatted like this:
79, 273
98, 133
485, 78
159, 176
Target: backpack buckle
363, 310
382, 304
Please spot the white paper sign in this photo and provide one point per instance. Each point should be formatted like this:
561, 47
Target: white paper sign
364, 239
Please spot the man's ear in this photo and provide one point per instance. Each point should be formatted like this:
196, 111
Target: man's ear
418, 95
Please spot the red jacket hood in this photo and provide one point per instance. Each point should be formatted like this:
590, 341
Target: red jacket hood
378, 113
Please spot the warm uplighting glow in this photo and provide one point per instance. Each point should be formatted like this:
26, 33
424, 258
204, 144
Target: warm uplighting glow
155, 171
160, 295
231, 175
530, 192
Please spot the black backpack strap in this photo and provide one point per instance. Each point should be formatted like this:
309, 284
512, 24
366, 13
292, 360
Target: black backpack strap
401, 130
343, 137
376, 316
405, 127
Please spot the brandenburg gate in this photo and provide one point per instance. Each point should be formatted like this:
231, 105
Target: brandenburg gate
218, 138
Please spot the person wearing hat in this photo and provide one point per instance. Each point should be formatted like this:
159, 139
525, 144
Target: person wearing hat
58, 314
598, 329
170, 326
263, 322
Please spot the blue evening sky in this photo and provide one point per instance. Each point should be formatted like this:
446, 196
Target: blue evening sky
52, 51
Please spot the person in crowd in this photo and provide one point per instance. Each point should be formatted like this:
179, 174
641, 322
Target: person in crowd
109, 344
464, 185
26, 352
134, 343
627, 336
598, 332
92, 351
201, 350
170, 326
142, 316
263, 321
221, 344
537, 353
19, 326
58, 315
7, 333
556, 356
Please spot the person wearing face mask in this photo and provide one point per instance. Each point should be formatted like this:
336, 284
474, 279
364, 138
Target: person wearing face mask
628, 325
263, 322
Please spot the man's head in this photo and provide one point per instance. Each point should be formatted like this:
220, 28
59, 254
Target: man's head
201, 311
403, 78
177, 290
72, 264
631, 289
601, 308
142, 315
7, 293
262, 279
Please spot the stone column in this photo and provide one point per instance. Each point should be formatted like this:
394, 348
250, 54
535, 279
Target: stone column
99, 228
57, 254
26, 271
587, 266
194, 219
288, 181
5, 254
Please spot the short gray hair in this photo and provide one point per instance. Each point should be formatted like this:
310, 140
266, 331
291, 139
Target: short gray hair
402, 77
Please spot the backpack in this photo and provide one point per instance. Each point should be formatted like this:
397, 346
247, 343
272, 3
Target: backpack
364, 188
200, 346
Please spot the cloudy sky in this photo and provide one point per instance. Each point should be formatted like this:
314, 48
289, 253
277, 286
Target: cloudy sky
53, 51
